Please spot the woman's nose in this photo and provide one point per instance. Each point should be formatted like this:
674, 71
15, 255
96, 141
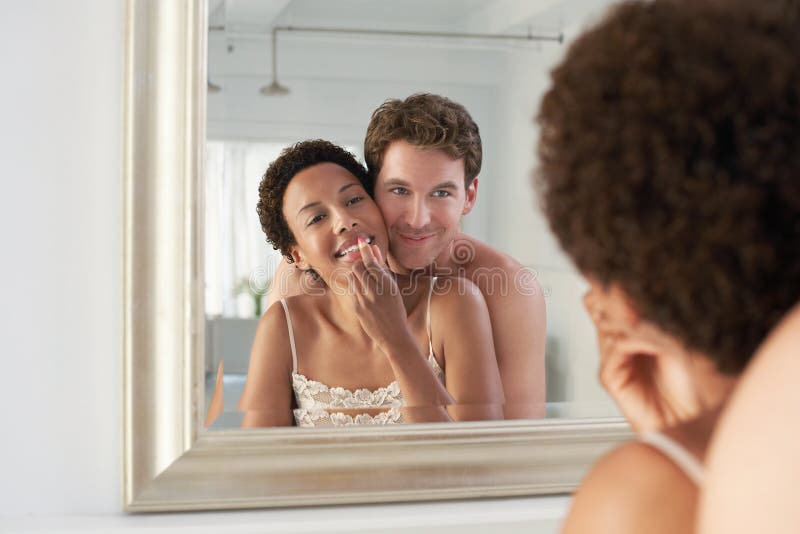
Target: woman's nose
343, 228
344, 223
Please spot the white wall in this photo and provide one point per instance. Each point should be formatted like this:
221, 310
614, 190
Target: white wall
61, 300
60, 219
521, 230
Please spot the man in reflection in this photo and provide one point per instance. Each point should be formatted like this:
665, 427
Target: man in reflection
424, 155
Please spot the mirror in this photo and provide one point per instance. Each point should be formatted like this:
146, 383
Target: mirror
334, 63
172, 463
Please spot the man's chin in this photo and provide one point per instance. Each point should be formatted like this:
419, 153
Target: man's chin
412, 262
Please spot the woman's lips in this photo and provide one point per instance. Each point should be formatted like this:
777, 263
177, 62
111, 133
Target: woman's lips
351, 257
350, 252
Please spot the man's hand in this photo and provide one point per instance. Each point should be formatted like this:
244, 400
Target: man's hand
647, 373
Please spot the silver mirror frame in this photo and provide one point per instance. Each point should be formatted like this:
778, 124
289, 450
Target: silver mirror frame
169, 462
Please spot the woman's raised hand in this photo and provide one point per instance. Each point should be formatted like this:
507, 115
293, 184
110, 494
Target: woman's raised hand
378, 303
647, 374
382, 314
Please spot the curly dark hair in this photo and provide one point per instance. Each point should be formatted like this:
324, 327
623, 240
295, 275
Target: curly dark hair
670, 165
280, 172
427, 121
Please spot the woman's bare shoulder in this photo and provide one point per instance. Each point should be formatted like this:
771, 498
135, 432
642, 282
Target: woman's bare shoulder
267, 385
751, 479
271, 342
633, 489
303, 306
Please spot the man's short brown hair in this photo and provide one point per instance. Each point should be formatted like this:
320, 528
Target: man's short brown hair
427, 121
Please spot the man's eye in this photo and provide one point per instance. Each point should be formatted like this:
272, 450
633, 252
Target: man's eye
399, 191
441, 193
354, 200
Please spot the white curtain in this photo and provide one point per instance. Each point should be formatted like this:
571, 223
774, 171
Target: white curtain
239, 261
238, 256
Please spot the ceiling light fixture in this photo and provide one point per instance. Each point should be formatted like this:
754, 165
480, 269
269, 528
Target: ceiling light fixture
212, 88
275, 88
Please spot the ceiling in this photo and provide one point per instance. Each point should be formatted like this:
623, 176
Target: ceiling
476, 16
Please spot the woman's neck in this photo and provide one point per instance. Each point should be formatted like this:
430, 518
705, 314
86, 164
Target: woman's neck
341, 300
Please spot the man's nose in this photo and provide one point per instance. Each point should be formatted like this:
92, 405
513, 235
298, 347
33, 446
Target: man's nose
418, 215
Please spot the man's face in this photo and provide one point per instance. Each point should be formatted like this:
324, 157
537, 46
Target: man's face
422, 197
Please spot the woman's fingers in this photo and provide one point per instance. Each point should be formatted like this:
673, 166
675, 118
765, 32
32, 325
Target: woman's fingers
378, 255
370, 268
366, 276
616, 348
367, 255
618, 358
354, 285
359, 269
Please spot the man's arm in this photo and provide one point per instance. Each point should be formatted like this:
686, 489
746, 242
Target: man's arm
290, 281
518, 317
460, 319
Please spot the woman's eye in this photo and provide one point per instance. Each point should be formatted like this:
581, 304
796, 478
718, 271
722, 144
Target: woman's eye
315, 219
441, 193
399, 190
354, 200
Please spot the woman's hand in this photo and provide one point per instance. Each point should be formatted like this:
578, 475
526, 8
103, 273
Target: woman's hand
382, 314
646, 372
378, 303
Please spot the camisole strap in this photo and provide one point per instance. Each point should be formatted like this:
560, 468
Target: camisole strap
676, 452
428, 317
291, 335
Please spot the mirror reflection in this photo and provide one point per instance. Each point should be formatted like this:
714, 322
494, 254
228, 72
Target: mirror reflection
416, 280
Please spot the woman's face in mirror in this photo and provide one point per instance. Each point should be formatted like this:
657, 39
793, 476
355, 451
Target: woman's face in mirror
327, 210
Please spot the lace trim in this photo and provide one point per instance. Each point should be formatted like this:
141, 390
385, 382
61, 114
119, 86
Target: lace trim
320, 417
315, 399
317, 393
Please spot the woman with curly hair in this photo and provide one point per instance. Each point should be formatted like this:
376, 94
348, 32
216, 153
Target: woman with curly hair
373, 348
669, 173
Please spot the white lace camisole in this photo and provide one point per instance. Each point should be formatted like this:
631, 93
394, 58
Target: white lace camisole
676, 452
317, 402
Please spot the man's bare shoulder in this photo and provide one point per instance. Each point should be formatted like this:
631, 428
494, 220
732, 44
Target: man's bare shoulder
476, 255
289, 281
496, 273
454, 292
